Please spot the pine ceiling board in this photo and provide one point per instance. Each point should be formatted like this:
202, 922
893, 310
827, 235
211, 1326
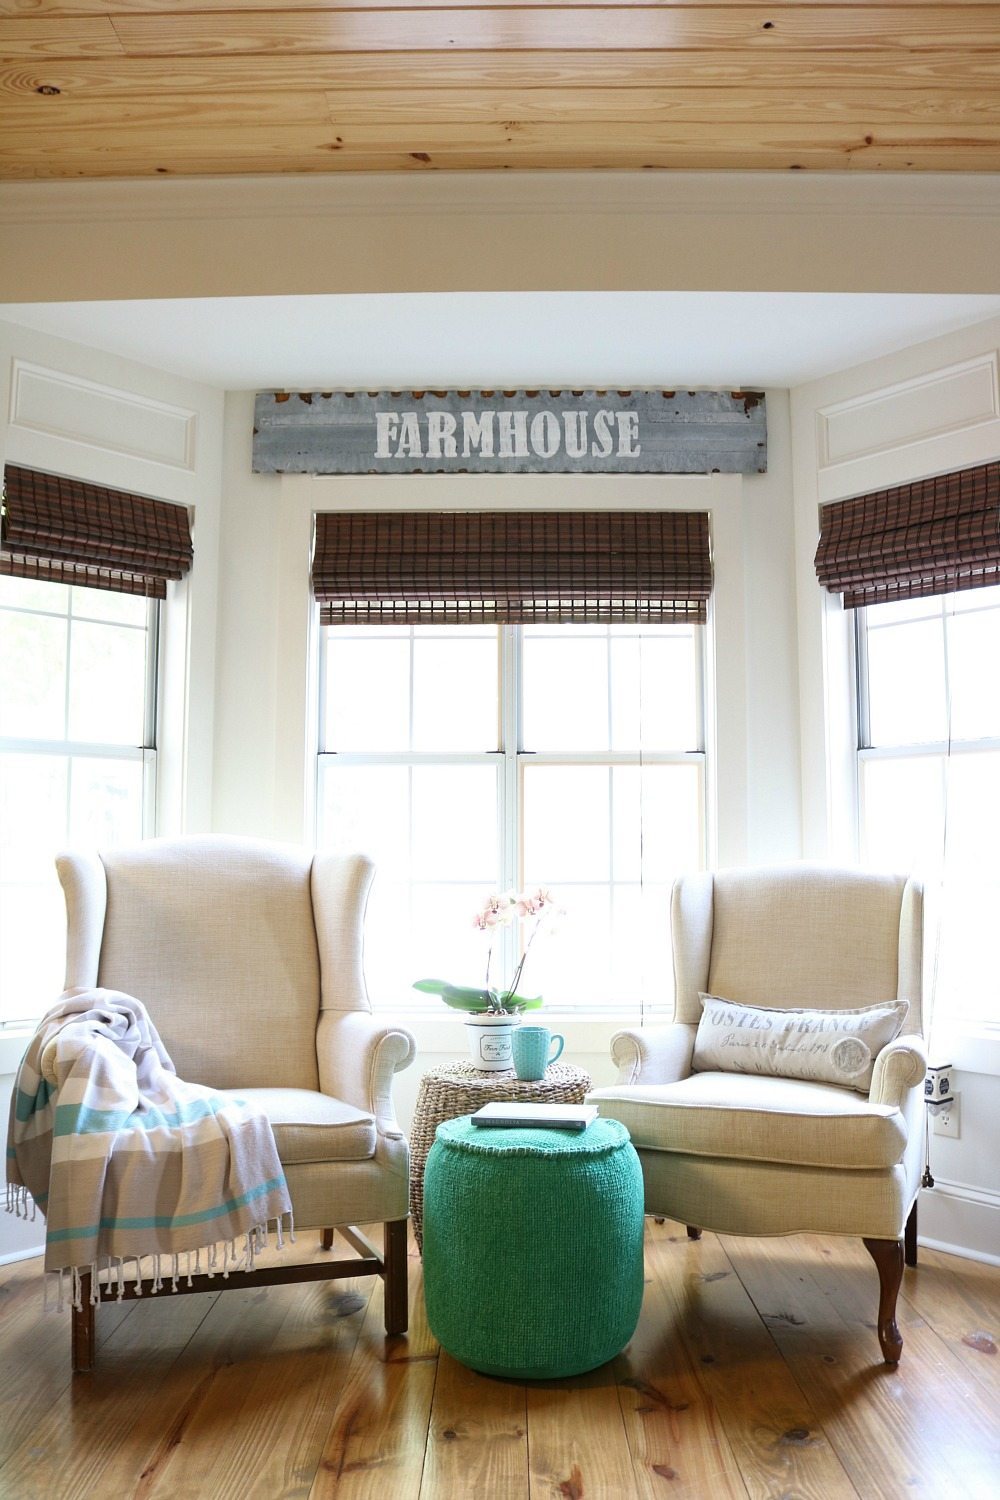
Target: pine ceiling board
34, 165
834, 72
841, 27
661, 105
191, 138
117, 117
63, 8
93, 37
457, 107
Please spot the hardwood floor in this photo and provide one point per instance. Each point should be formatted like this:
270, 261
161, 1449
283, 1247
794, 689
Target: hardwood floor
754, 1371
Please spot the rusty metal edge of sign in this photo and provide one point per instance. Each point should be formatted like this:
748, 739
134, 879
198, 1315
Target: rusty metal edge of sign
530, 431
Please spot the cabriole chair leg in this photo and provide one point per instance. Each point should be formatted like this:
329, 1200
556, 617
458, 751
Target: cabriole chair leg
888, 1258
693, 1233
395, 1277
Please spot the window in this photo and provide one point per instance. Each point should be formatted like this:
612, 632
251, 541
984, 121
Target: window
77, 716
929, 775
471, 758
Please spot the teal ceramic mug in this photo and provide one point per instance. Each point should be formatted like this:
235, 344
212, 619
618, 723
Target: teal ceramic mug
532, 1048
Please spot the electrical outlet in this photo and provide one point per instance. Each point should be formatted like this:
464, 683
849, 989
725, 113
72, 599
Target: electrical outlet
946, 1119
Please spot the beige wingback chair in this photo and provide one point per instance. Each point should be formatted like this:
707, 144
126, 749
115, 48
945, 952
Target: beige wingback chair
248, 957
748, 1155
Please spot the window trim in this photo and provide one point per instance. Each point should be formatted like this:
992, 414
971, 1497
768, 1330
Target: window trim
511, 759
16, 1030
970, 1044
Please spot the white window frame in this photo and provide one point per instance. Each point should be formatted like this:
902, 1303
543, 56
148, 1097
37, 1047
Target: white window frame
146, 753
510, 761
973, 1045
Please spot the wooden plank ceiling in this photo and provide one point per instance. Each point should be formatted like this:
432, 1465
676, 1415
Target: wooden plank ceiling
135, 88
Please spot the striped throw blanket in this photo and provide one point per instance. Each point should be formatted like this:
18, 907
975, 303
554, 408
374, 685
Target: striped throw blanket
126, 1161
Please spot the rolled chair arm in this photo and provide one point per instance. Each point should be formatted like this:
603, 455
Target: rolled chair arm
358, 1058
898, 1068
661, 1054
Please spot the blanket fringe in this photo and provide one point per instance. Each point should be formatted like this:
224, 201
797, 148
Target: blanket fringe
19, 1200
223, 1257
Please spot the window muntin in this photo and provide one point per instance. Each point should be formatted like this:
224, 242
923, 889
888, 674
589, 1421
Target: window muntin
562, 755
929, 775
77, 718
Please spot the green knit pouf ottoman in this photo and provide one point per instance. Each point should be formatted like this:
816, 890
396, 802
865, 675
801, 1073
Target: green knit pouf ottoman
533, 1246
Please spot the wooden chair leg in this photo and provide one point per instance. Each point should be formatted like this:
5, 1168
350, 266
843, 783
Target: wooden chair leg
888, 1258
693, 1234
394, 1276
83, 1328
910, 1237
326, 1239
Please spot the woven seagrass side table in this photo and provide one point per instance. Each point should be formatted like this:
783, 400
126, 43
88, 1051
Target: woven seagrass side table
460, 1089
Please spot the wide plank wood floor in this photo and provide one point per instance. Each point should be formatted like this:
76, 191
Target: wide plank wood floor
754, 1372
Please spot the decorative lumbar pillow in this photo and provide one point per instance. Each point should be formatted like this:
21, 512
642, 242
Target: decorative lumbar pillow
824, 1046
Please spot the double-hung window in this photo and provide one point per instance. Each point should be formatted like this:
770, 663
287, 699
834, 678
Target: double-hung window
83, 571
929, 776
920, 565
474, 757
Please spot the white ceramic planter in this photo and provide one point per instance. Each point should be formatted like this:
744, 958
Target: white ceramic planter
490, 1042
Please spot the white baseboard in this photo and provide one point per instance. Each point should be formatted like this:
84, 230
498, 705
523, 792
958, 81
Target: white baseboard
961, 1220
12, 1255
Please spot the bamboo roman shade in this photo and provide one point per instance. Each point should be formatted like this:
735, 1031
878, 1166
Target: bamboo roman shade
431, 567
66, 531
929, 537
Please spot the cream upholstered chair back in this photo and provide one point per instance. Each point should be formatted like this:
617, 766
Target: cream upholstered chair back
797, 936
234, 946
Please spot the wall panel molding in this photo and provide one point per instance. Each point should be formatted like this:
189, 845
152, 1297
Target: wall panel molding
943, 401
59, 405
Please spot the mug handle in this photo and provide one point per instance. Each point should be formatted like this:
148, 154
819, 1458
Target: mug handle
554, 1056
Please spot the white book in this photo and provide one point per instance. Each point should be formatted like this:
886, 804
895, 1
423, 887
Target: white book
550, 1116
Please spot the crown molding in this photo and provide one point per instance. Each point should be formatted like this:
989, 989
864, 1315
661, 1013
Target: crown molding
484, 194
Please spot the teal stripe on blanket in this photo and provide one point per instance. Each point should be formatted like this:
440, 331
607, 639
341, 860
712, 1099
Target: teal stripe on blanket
29, 1104
168, 1221
77, 1119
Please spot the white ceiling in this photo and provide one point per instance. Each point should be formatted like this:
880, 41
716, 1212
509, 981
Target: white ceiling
472, 339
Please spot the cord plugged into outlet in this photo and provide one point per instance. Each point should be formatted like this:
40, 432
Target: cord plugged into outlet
946, 1117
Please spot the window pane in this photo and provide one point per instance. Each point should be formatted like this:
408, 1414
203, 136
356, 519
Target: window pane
654, 694
105, 803
906, 684
455, 692
366, 809
367, 692
433, 838
903, 811
32, 676
107, 684
565, 692
974, 674
455, 823
657, 821
567, 824
103, 604
32, 816
30, 593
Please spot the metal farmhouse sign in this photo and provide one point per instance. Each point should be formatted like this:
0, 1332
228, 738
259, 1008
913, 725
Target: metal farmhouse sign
510, 432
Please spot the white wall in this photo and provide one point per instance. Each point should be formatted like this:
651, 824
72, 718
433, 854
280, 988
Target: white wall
925, 410
71, 410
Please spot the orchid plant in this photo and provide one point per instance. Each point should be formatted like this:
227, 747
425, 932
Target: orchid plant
537, 907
